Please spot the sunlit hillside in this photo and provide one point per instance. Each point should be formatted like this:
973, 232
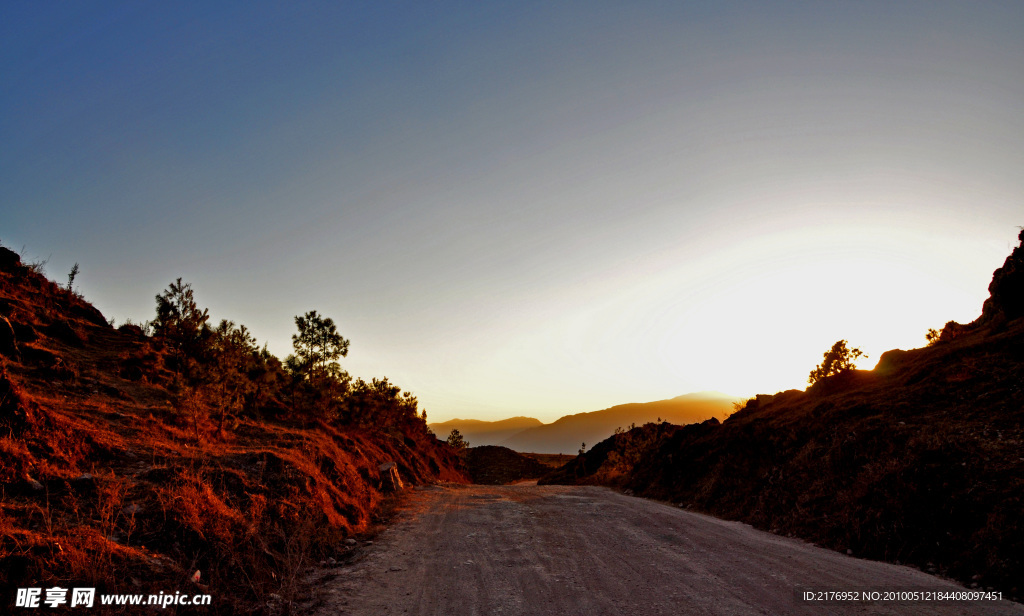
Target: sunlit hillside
137, 463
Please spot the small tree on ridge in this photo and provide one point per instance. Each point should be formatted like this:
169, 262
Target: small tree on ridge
320, 384
180, 322
318, 345
456, 440
837, 360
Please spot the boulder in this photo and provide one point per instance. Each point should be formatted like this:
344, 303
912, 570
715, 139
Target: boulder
83, 484
390, 481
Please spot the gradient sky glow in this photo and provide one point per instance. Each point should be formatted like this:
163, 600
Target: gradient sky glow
526, 208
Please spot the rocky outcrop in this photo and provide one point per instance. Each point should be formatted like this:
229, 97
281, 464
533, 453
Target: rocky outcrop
1006, 291
390, 481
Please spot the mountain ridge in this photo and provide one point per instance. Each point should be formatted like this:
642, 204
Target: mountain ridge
568, 432
483, 432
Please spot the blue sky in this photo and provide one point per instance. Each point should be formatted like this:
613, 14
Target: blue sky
526, 208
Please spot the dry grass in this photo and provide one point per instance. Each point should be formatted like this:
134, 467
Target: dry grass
111, 478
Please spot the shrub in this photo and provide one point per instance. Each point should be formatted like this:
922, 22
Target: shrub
837, 360
71, 277
456, 440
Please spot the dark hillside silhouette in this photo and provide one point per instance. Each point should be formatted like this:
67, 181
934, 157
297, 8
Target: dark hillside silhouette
490, 464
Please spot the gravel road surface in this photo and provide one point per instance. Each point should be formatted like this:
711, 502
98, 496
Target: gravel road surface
562, 550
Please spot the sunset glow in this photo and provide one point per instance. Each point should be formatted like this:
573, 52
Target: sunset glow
527, 210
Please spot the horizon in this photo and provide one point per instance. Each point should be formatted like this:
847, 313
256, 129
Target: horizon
526, 211
695, 394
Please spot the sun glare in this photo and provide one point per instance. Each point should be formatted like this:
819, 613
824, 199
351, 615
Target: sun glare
761, 327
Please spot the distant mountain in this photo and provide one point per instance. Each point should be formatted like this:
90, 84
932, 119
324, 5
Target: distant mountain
566, 434
478, 432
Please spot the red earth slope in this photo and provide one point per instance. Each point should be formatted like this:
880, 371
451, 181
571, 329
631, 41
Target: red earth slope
108, 480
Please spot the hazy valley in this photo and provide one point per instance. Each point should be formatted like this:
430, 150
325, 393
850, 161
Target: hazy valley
568, 433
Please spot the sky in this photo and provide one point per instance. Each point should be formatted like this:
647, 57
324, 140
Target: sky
526, 208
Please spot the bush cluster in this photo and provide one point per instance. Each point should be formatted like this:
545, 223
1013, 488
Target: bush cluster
222, 371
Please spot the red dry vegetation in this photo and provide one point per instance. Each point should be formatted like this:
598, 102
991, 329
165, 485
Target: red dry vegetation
111, 478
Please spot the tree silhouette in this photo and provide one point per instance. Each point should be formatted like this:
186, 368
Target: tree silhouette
837, 360
379, 403
233, 358
456, 440
319, 382
71, 276
318, 345
180, 322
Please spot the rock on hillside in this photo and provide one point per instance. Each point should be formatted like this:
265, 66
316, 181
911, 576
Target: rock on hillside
1006, 291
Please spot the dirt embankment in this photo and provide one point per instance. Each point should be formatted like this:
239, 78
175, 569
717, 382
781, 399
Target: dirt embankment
113, 476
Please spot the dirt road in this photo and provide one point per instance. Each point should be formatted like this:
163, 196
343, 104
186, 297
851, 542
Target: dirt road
561, 550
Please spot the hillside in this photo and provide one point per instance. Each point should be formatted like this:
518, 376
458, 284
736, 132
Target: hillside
119, 472
919, 461
479, 432
490, 464
566, 434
